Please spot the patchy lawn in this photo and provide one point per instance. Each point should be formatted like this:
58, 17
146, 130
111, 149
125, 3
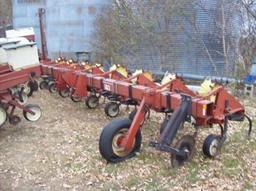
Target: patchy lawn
60, 152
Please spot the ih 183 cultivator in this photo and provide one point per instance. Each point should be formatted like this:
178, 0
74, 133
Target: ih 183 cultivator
121, 138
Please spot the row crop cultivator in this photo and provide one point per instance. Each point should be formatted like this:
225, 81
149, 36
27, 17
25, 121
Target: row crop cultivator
121, 138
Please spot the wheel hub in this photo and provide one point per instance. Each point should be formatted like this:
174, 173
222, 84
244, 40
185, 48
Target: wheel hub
116, 143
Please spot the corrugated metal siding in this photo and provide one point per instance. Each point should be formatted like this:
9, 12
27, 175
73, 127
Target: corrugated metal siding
69, 23
69, 29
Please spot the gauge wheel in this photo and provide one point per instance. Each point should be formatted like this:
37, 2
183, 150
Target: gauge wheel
76, 98
52, 87
3, 116
211, 145
64, 93
187, 144
92, 101
111, 138
112, 109
32, 117
43, 85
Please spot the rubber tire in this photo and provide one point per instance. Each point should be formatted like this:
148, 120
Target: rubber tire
132, 114
33, 87
63, 94
87, 101
43, 85
207, 144
76, 99
107, 135
29, 106
108, 106
51, 87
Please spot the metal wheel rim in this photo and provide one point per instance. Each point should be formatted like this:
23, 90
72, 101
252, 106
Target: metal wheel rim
3, 116
36, 116
213, 149
65, 92
117, 150
113, 109
93, 102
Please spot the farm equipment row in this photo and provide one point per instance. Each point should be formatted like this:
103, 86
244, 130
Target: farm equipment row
121, 138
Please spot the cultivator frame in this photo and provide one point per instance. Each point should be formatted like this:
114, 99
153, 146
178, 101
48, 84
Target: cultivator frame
121, 138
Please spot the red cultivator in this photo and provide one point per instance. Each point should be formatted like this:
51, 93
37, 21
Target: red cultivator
19, 67
121, 138
13, 86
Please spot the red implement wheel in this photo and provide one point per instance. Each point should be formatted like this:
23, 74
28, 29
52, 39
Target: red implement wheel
211, 146
112, 136
52, 87
112, 109
64, 93
33, 117
92, 101
76, 98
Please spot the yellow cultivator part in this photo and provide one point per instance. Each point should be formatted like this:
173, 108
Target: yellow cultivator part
168, 77
120, 69
147, 74
100, 66
86, 65
206, 87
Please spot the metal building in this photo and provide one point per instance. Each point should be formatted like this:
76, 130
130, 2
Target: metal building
69, 23
69, 31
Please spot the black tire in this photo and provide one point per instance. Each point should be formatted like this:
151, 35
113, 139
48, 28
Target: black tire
76, 99
187, 142
108, 135
132, 114
211, 145
51, 87
33, 85
64, 93
111, 109
43, 85
92, 101
35, 108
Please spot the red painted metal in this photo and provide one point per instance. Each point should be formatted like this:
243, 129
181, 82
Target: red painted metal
205, 110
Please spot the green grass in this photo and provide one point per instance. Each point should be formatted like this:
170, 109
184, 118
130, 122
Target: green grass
230, 163
193, 170
132, 181
247, 186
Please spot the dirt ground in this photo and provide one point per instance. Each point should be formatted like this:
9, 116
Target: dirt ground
60, 152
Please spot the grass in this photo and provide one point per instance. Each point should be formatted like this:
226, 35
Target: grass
247, 186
